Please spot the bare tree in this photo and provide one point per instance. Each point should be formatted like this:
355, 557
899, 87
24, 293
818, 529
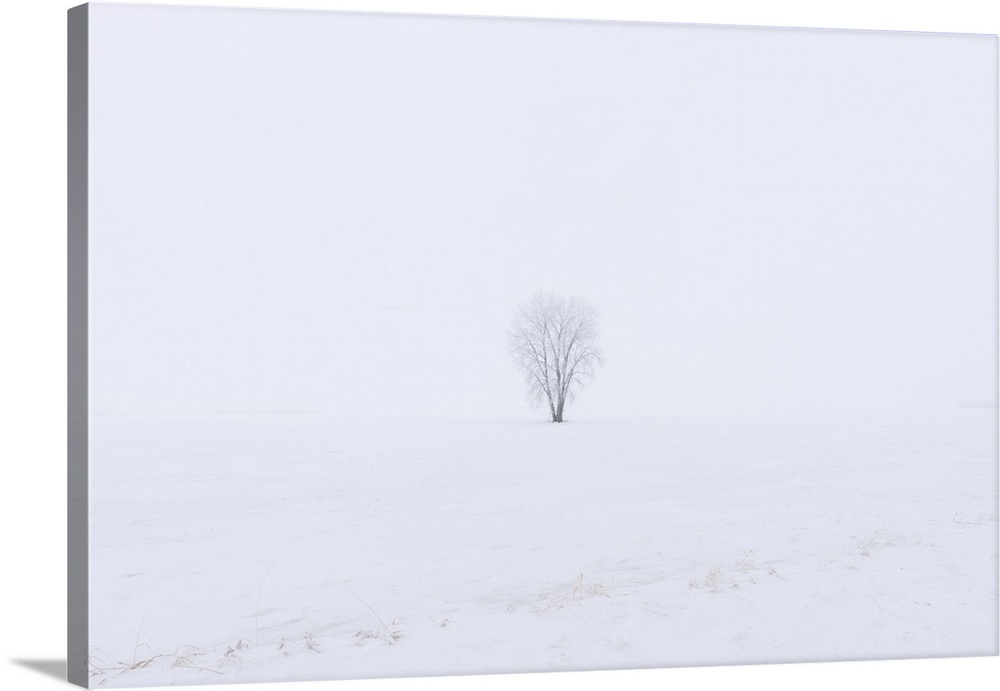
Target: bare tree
554, 343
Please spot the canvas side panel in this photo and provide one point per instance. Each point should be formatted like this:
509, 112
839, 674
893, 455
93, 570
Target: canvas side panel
77, 212
995, 61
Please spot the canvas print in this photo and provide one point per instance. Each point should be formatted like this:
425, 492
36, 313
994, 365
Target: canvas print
430, 345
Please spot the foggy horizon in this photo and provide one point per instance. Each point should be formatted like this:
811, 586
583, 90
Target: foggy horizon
326, 213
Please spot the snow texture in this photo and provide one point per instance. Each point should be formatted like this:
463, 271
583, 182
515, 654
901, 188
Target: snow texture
257, 548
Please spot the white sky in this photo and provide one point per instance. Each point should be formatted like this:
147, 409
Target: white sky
325, 212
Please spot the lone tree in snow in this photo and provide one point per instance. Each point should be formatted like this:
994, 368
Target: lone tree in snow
554, 343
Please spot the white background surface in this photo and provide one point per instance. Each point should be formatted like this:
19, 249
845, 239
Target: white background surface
32, 347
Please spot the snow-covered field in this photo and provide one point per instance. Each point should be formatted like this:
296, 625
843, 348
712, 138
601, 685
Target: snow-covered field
261, 548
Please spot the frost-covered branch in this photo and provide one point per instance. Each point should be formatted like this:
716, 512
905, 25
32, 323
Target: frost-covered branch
553, 342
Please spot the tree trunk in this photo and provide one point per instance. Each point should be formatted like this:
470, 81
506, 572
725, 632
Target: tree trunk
557, 416
552, 410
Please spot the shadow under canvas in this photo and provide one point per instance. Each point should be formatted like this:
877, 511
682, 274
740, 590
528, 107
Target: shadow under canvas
50, 667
